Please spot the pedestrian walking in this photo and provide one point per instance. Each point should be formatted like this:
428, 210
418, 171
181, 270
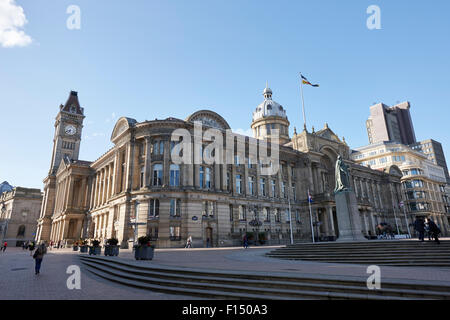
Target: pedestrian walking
189, 242
434, 230
419, 226
245, 241
31, 247
5, 244
38, 256
207, 242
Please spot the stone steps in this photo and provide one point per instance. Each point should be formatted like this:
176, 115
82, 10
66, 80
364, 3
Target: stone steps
242, 285
399, 253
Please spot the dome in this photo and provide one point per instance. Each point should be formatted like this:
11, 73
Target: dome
268, 107
5, 187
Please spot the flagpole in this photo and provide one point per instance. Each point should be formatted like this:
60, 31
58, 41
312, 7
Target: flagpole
310, 218
303, 101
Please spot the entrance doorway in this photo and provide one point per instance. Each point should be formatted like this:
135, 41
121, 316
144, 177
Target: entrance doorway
209, 237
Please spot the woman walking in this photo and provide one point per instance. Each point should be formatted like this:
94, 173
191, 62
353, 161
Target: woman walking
38, 256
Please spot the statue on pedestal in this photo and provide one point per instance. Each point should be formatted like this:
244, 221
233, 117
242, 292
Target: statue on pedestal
341, 176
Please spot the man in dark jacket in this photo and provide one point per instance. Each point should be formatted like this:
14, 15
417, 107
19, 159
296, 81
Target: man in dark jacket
419, 226
434, 230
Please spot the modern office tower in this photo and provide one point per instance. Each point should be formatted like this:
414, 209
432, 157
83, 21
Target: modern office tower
390, 124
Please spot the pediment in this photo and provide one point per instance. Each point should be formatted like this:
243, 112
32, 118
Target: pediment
327, 133
122, 125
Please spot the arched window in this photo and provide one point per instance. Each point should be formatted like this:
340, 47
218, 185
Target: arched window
21, 231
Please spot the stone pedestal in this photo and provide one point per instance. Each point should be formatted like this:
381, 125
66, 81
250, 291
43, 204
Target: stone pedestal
348, 218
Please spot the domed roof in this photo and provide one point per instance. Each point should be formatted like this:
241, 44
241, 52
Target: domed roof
5, 187
268, 107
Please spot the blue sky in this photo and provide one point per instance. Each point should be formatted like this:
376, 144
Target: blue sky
154, 59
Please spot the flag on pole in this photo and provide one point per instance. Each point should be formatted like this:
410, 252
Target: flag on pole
305, 81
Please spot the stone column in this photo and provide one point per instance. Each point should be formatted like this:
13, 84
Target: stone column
108, 186
166, 165
217, 184
129, 166
83, 192
116, 178
290, 195
147, 162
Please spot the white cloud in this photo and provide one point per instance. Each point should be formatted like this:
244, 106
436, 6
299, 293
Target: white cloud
12, 20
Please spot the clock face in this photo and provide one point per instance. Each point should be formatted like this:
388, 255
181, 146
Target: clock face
70, 130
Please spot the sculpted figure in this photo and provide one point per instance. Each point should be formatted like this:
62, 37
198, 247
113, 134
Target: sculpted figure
341, 175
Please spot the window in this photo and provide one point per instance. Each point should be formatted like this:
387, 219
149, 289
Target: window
297, 215
201, 176
293, 191
161, 147
236, 160
175, 208
157, 174
262, 186
208, 178
174, 175
287, 215
175, 233
283, 189
142, 177
273, 187
238, 183
277, 215
251, 187
228, 181
231, 212
154, 208
249, 163
152, 233
242, 213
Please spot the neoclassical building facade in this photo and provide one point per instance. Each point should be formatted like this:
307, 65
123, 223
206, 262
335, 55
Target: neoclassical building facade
136, 188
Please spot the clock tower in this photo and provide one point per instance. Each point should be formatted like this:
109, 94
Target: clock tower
68, 126
66, 145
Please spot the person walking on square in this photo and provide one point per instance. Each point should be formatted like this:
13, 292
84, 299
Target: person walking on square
31, 247
38, 256
189, 242
434, 230
419, 226
245, 241
5, 244
207, 242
